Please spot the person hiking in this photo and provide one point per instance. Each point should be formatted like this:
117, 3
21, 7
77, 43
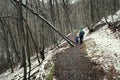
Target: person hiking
81, 35
76, 39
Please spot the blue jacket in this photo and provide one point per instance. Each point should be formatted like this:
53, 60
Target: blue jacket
81, 33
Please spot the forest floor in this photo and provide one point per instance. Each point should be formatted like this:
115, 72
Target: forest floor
98, 58
72, 64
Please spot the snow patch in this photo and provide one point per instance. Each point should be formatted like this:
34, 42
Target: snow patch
105, 48
18, 72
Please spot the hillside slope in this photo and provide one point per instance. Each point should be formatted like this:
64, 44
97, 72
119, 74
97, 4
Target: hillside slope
98, 55
103, 46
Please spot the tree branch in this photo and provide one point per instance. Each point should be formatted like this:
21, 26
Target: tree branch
8, 17
50, 25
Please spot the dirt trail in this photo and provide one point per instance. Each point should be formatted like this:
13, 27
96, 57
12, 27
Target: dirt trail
72, 64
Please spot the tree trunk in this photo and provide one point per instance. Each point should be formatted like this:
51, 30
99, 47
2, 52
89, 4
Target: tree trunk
50, 25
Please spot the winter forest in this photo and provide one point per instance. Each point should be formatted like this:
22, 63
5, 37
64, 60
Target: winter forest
40, 40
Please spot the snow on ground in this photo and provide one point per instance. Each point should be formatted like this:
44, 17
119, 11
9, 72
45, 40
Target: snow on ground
104, 47
44, 69
48, 64
113, 18
18, 72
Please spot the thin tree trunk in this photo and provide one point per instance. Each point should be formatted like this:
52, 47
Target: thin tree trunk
24, 63
50, 25
28, 46
35, 45
5, 37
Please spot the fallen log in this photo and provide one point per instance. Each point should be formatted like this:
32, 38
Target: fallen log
50, 25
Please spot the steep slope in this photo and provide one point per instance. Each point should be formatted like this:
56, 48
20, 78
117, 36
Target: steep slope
103, 46
96, 59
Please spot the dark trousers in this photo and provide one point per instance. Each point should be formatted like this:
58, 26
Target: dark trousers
81, 39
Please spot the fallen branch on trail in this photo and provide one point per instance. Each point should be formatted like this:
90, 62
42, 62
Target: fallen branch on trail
50, 25
97, 26
113, 25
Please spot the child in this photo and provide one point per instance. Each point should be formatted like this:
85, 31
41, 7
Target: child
76, 39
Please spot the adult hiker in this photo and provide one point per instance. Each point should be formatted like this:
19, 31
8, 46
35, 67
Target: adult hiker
81, 35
